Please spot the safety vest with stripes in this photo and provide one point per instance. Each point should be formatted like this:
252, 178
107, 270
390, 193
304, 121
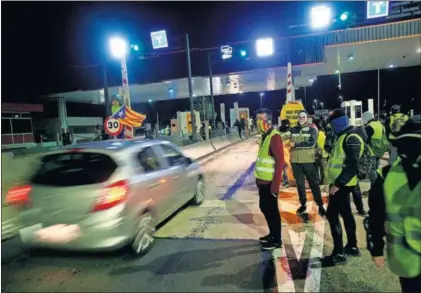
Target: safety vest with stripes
337, 160
397, 120
265, 164
379, 143
403, 223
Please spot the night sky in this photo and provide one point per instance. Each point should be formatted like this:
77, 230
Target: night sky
52, 47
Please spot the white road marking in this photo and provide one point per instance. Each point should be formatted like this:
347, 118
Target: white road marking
312, 283
283, 271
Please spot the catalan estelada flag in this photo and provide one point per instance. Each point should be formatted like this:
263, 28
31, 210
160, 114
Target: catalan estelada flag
129, 117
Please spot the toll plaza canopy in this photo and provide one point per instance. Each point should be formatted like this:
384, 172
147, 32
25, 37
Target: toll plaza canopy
374, 47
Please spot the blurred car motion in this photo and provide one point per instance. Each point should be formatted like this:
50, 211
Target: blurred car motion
106, 195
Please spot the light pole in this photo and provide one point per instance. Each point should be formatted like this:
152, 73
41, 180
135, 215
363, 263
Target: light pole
211, 89
315, 102
321, 105
261, 100
378, 94
118, 47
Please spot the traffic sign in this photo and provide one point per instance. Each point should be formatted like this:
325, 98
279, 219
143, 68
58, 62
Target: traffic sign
377, 9
159, 39
113, 126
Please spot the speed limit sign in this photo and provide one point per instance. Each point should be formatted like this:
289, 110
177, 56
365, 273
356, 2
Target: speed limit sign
112, 126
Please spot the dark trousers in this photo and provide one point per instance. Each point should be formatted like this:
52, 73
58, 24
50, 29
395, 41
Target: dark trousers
357, 197
309, 171
339, 204
411, 285
269, 206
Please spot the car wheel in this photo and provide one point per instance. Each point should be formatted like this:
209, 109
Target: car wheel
144, 238
200, 192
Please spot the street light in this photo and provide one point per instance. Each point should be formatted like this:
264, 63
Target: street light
264, 47
321, 16
118, 47
321, 105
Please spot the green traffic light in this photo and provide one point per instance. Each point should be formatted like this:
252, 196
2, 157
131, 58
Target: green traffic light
344, 16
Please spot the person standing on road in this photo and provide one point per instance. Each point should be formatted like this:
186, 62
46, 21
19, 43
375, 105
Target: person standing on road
393, 124
268, 172
395, 210
376, 139
342, 175
303, 144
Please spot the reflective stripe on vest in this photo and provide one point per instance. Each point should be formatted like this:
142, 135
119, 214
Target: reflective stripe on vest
392, 121
403, 223
302, 154
337, 160
377, 138
265, 164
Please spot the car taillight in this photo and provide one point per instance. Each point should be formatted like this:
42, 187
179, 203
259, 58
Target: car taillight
18, 195
113, 195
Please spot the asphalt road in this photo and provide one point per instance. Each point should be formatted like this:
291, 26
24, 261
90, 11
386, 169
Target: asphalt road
210, 248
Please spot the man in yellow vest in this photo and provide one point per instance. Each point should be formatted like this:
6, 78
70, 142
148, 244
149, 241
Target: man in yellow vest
376, 139
393, 125
395, 210
342, 173
268, 172
303, 147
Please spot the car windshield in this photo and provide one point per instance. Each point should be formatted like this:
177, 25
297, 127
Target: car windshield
73, 169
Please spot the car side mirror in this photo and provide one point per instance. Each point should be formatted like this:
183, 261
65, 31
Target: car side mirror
189, 160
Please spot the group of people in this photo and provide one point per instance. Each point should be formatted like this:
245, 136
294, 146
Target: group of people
336, 154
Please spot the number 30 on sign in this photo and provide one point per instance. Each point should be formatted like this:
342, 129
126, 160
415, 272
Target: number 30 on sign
112, 126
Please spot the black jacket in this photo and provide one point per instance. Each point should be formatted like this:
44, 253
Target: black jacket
352, 147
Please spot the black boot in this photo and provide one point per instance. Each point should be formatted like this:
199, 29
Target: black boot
271, 244
322, 211
333, 260
302, 209
352, 251
265, 239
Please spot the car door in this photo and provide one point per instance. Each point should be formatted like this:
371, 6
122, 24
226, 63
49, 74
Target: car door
151, 182
178, 165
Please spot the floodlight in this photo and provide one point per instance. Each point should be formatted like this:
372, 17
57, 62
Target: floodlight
321, 16
135, 47
264, 47
118, 47
344, 16
243, 53
150, 101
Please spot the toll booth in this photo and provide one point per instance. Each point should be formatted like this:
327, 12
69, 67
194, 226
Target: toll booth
354, 111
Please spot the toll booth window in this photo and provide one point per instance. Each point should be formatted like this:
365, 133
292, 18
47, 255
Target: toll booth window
148, 160
174, 157
358, 112
6, 127
21, 126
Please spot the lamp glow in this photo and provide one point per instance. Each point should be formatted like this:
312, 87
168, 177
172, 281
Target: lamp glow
321, 16
118, 47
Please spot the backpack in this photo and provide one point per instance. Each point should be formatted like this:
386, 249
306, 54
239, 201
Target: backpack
366, 163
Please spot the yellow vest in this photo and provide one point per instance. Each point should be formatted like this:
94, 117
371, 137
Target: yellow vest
396, 122
265, 164
378, 141
337, 160
321, 140
403, 223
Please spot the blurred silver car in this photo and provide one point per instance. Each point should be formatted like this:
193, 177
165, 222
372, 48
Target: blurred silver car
106, 195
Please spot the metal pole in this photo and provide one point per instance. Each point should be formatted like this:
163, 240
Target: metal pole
378, 94
129, 131
204, 111
261, 101
305, 97
211, 90
106, 94
193, 116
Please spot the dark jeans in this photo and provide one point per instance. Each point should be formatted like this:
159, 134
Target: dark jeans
269, 206
411, 285
357, 197
322, 168
303, 171
373, 175
339, 204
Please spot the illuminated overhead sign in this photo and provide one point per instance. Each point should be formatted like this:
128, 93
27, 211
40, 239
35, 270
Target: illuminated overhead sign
377, 9
159, 40
226, 52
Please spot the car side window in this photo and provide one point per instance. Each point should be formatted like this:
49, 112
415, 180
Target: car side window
174, 157
148, 160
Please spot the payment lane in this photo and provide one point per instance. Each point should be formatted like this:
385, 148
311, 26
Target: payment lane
212, 248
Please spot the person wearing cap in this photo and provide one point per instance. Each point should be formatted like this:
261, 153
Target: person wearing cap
395, 210
376, 139
268, 173
303, 148
393, 125
342, 175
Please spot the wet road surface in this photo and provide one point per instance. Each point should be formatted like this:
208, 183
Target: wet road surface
211, 248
